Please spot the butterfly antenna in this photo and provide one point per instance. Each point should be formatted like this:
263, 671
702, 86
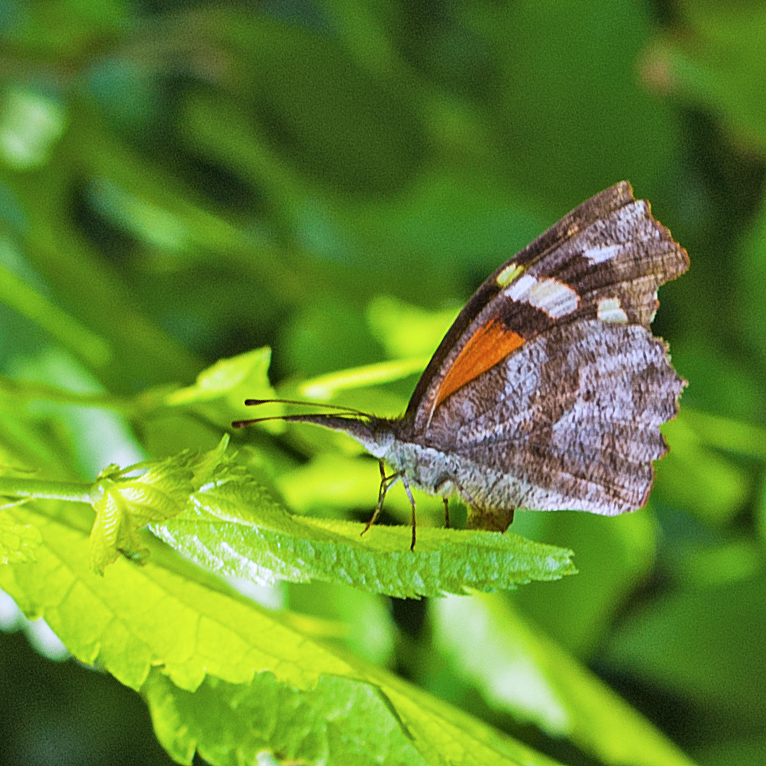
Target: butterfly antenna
256, 402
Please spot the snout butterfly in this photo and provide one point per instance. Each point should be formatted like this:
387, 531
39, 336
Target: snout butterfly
548, 390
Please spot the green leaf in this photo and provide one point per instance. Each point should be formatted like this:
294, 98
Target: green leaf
68, 331
571, 104
719, 62
327, 386
232, 724
18, 542
327, 102
339, 721
704, 643
333, 482
534, 680
236, 528
699, 478
751, 267
743, 751
166, 612
220, 390
732, 435
127, 504
169, 620
405, 330
365, 623
615, 556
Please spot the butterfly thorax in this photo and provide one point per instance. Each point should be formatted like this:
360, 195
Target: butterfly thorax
427, 468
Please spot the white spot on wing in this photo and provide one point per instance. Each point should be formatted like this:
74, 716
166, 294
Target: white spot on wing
549, 295
601, 253
609, 310
555, 298
519, 290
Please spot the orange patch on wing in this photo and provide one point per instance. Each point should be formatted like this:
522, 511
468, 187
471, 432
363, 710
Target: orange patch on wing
489, 345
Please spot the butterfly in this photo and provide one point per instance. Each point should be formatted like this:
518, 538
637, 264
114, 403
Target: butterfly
548, 391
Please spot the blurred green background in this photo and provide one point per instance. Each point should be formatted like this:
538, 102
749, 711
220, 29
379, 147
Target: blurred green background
182, 182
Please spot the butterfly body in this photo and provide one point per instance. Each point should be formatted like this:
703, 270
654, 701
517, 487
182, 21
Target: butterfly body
549, 389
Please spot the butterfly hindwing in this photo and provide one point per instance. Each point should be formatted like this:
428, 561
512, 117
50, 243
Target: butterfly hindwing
570, 421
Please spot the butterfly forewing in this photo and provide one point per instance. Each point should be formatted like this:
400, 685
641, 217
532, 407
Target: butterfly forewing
580, 218
603, 261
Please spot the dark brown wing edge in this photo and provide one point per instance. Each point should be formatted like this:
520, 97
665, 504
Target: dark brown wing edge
581, 217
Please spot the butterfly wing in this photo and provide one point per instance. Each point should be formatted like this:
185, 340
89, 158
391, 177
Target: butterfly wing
550, 381
570, 421
604, 260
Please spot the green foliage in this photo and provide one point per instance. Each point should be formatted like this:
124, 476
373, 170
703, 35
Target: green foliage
340, 721
234, 527
126, 505
696, 654
331, 180
231, 724
168, 614
17, 541
560, 696
701, 65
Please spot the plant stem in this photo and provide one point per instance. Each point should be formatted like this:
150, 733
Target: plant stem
78, 491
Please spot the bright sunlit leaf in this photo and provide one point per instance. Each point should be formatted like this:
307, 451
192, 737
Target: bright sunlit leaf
18, 542
235, 527
128, 503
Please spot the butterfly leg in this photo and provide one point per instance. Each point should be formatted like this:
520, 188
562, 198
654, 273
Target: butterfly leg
386, 482
445, 484
412, 503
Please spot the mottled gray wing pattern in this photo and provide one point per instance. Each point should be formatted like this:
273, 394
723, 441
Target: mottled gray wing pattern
571, 420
